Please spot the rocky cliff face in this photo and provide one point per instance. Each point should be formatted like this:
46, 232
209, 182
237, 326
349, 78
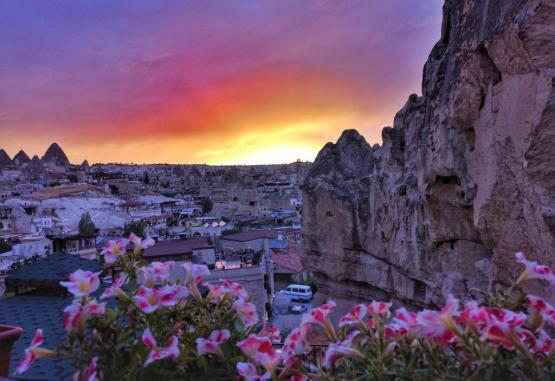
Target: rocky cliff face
464, 178
55, 156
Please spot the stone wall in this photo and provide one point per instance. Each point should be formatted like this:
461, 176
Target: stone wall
463, 179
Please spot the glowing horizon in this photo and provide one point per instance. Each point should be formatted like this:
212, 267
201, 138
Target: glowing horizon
243, 82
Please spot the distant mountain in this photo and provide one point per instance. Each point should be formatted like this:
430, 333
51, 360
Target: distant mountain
21, 158
5, 158
85, 165
56, 156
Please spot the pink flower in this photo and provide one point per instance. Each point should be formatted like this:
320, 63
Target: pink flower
269, 360
296, 343
33, 352
77, 314
246, 311
193, 278
249, 373
89, 374
115, 289
379, 309
113, 249
194, 273
236, 289
82, 283
395, 330
502, 334
216, 293
544, 343
139, 244
172, 295
170, 350
298, 377
320, 315
475, 317
355, 316
533, 270
147, 299
540, 308
271, 332
436, 323
212, 344
337, 351
155, 273
254, 344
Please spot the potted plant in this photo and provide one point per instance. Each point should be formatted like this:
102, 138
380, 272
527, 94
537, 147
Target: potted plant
8, 336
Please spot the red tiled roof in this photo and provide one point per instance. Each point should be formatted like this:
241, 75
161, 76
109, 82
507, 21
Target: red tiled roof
178, 247
289, 258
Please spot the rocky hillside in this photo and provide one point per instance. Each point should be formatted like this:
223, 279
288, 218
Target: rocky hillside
464, 178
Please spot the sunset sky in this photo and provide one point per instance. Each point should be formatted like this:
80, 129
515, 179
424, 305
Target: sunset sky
206, 81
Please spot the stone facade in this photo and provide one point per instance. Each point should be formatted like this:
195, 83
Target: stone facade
464, 178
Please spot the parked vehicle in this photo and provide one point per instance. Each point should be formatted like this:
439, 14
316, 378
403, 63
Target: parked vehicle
297, 308
298, 292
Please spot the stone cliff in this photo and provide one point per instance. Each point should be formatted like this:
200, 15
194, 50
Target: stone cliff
464, 178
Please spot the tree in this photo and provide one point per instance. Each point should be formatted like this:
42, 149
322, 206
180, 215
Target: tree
72, 178
114, 189
146, 179
5, 247
206, 204
86, 225
135, 227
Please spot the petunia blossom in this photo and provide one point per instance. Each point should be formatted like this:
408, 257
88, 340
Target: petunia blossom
33, 352
321, 317
115, 289
296, 343
77, 314
254, 344
140, 244
436, 323
355, 316
212, 343
337, 351
249, 372
235, 289
114, 249
171, 349
542, 310
379, 309
533, 270
155, 273
147, 299
172, 295
269, 360
89, 374
246, 311
82, 283
271, 332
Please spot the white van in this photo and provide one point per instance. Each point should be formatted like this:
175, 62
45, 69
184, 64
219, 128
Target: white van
298, 292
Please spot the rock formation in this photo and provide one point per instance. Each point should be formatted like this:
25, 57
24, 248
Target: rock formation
85, 166
5, 158
35, 170
464, 179
55, 156
21, 158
